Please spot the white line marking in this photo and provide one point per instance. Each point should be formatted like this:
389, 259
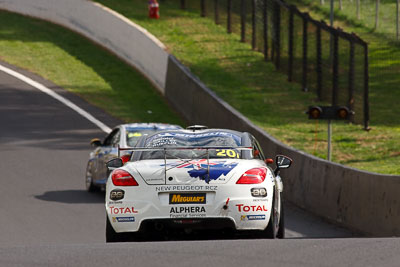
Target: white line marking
53, 94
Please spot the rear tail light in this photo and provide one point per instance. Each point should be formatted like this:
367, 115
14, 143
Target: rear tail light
253, 176
123, 178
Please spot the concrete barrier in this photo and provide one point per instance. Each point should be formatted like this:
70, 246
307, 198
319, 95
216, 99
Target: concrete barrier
127, 40
360, 200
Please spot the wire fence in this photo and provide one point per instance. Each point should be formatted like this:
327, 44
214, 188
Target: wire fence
381, 16
327, 61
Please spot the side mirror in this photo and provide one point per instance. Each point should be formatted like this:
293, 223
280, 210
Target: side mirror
283, 162
95, 142
114, 163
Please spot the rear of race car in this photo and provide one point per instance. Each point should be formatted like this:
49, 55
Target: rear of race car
191, 194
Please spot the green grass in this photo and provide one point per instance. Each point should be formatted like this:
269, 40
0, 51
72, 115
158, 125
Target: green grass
230, 68
79, 66
387, 14
241, 77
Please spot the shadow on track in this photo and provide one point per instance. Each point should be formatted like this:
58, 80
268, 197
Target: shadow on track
72, 197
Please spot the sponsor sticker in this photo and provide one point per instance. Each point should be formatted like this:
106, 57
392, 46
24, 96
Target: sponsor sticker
187, 198
123, 219
260, 199
187, 212
122, 210
117, 194
259, 192
252, 217
114, 202
248, 208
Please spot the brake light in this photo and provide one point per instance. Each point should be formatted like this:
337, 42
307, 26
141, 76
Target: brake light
123, 178
253, 176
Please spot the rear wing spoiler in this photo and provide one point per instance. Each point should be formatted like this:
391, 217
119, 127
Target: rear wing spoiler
165, 149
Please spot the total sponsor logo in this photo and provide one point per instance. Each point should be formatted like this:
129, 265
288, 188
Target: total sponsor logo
252, 217
245, 208
187, 212
123, 219
123, 210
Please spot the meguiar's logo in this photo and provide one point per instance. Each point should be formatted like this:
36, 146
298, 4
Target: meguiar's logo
188, 198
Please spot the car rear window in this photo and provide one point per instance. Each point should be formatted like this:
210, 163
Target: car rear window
209, 139
133, 134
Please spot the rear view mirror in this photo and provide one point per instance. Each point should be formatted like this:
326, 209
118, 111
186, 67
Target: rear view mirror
95, 142
283, 162
114, 163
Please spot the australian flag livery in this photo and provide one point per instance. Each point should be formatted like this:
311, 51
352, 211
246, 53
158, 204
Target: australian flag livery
207, 172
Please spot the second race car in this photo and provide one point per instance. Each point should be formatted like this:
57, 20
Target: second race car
124, 135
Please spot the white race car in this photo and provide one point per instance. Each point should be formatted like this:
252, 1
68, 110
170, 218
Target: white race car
194, 180
123, 135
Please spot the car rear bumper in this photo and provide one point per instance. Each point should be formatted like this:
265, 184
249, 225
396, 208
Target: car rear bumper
225, 208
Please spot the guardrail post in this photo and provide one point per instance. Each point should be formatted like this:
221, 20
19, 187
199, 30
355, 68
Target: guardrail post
335, 70
351, 79
265, 30
319, 64
276, 55
203, 8
229, 16
366, 88
243, 20
254, 26
290, 48
305, 50
216, 11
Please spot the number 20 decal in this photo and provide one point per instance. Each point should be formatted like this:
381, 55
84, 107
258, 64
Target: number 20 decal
227, 153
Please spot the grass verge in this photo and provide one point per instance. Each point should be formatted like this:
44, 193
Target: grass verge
241, 77
81, 67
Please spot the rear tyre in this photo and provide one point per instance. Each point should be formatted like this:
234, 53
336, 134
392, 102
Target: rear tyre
281, 231
90, 187
273, 225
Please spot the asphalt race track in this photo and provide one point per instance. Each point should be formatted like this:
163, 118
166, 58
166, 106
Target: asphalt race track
48, 219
